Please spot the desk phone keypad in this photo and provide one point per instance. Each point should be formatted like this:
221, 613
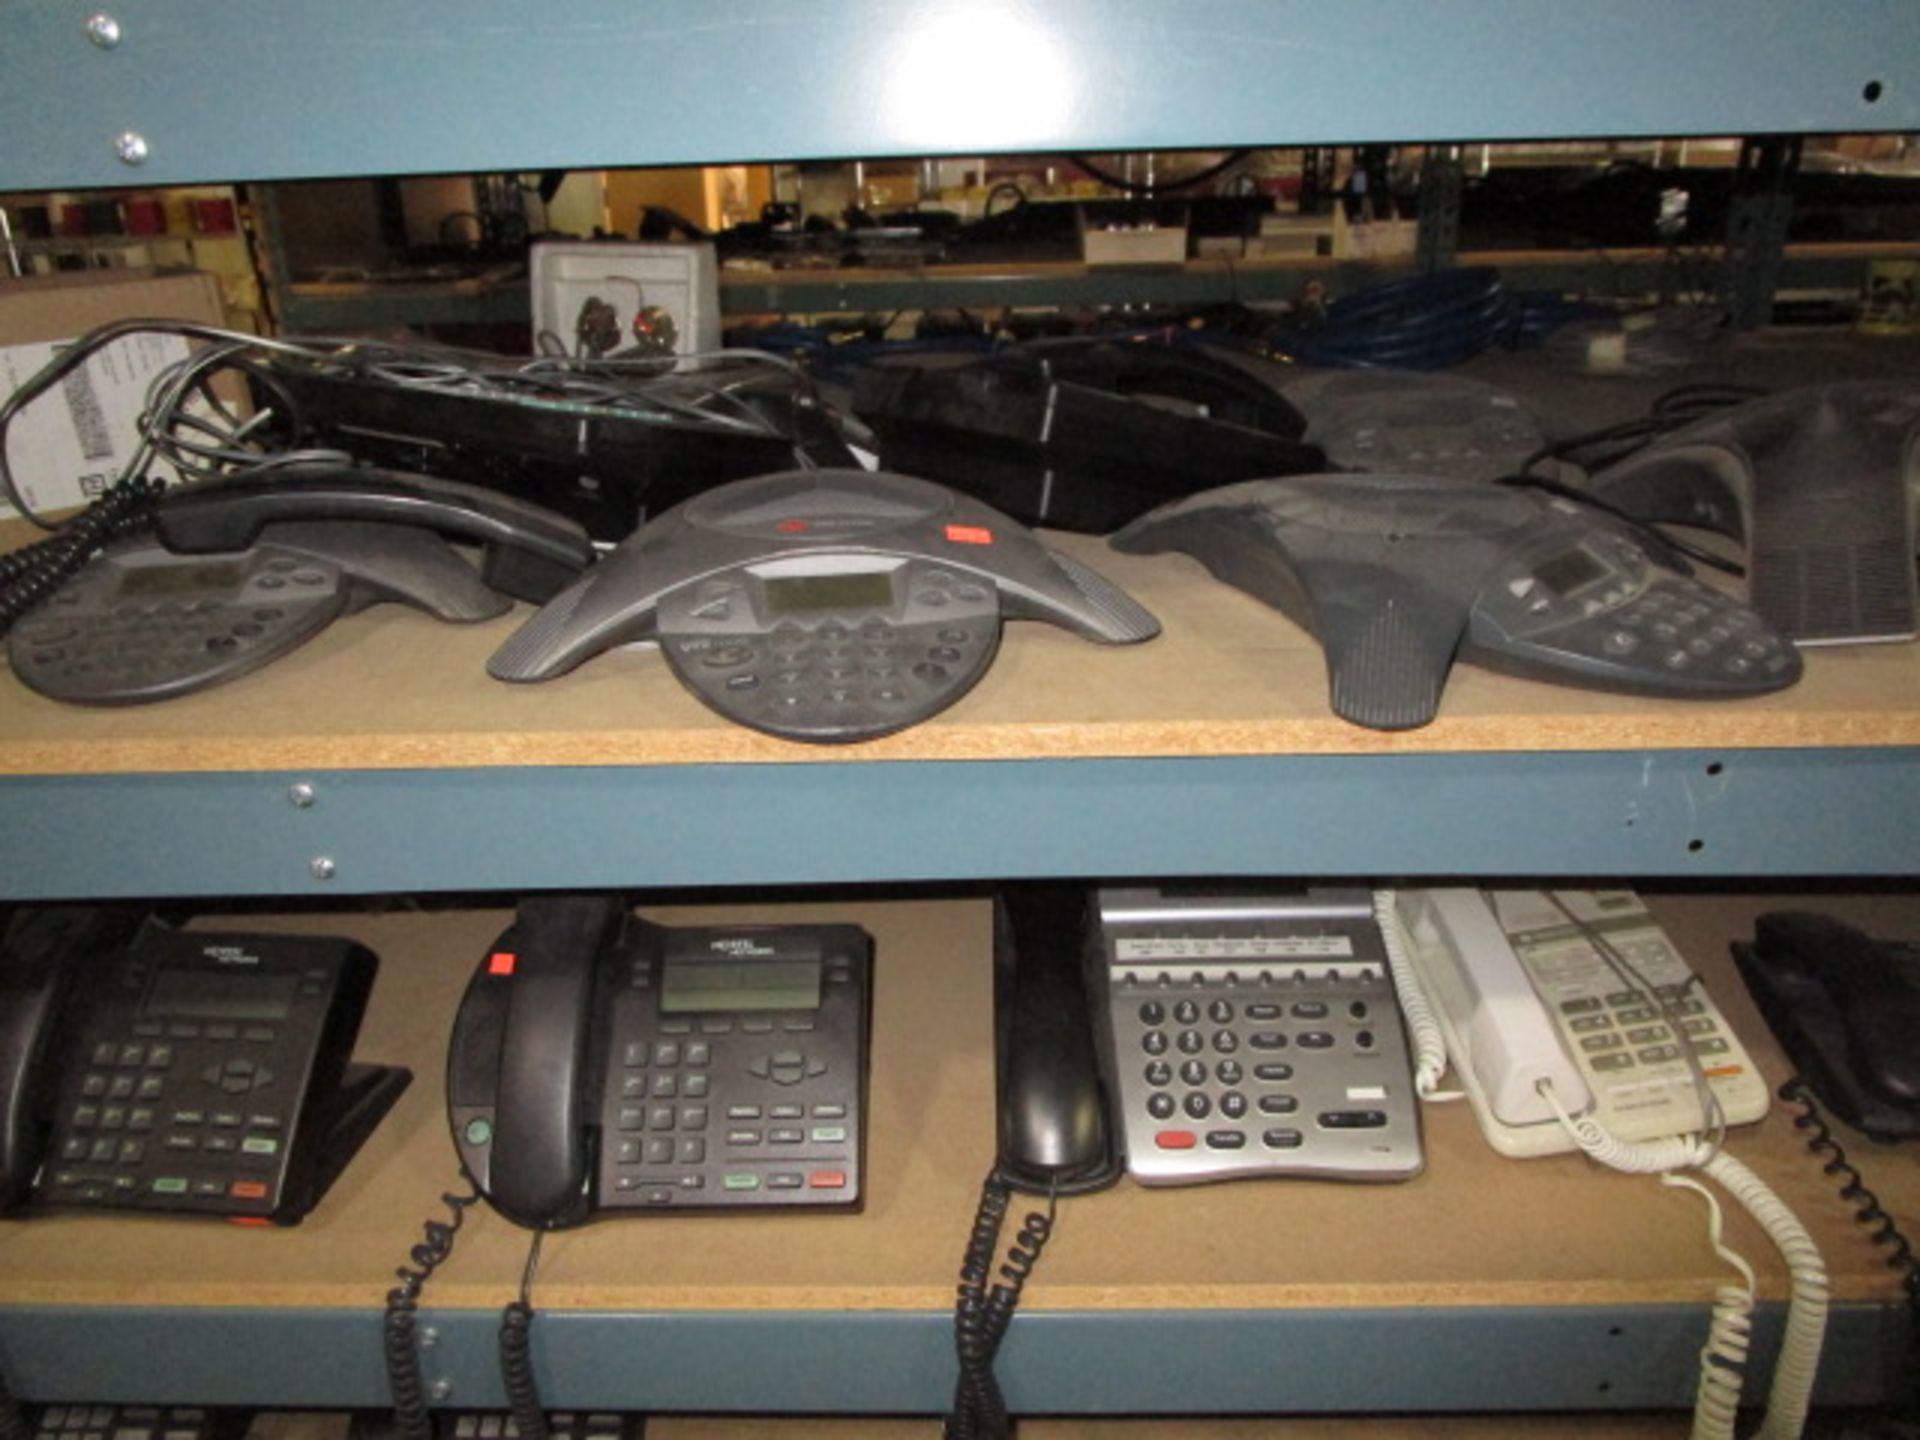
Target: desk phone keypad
1249, 1047
177, 1108
1620, 1031
138, 1422
843, 673
1604, 601
141, 623
561, 1425
723, 1109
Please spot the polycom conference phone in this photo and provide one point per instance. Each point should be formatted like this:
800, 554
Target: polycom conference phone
1397, 574
823, 605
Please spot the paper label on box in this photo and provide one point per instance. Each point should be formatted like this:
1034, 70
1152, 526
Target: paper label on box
72, 442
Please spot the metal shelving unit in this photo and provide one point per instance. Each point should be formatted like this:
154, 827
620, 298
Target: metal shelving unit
217, 90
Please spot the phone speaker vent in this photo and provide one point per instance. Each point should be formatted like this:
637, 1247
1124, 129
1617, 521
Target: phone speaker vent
1383, 675
1123, 619
533, 652
1837, 591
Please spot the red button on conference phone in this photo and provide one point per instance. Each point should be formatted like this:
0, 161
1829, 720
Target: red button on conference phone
828, 1180
247, 1190
1175, 1140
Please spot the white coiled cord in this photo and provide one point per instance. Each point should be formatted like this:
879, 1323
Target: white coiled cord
1423, 1030
1794, 1372
1723, 1359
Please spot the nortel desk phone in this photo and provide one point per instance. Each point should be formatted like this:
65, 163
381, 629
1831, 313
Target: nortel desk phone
602, 1063
154, 1069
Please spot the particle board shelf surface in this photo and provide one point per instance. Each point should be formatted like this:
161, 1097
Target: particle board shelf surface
392, 689
1473, 1230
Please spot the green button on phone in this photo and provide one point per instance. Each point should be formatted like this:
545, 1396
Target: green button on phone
260, 1145
479, 1130
169, 1185
742, 1180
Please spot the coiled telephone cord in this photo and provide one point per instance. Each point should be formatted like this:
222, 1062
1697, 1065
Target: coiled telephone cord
13, 1419
30, 575
1423, 1028
516, 1354
983, 1313
1791, 1394
1883, 1230
401, 1331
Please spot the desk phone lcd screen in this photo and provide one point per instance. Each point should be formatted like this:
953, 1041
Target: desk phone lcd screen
600, 1063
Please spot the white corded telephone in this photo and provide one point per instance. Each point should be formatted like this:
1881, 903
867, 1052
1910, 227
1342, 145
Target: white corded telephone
1571, 1022
1582, 990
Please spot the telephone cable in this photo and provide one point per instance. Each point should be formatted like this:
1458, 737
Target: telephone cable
29, 576
1790, 1396
401, 1330
1423, 1029
516, 1354
13, 1417
983, 1313
1723, 1358
1868, 1211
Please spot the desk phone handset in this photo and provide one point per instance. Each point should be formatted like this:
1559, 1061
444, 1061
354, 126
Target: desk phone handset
152, 1069
1397, 574
1846, 1007
238, 571
1580, 992
600, 1063
823, 605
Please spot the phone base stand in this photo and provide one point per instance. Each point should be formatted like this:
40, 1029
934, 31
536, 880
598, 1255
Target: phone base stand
366, 1094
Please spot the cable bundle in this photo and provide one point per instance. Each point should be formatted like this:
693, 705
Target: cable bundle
1424, 323
30, 575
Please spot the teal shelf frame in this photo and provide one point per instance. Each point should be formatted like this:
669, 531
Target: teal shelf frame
240, 90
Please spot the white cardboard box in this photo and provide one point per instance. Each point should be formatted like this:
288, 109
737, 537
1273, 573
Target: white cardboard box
681, 279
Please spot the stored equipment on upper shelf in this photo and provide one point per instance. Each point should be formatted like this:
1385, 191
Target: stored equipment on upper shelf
1846, 1008
1820, 484
146, 1068
1254, 1033
1415, 422
240, 570
1083, 435
823, 605
600, 1063
1396, 574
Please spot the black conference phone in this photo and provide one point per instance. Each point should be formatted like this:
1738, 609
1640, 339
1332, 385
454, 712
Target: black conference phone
154, 1069
1397, 574
601, 1063
1819, 483
823, 605
236, 572
1846, 1008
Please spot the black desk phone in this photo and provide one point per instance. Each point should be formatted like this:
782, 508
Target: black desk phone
1395, 575
601, 1063
823, 605
1846, 1008
238, 571
154, 1069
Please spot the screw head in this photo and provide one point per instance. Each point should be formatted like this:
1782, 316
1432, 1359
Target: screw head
104, 31
440, 1389
132, 148
301, 794
322, 867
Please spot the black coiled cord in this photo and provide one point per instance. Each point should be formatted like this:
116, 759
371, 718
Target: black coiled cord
401, 1331
13, 1418
983, 1313
29, 575
516, 1354
1867, 1210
